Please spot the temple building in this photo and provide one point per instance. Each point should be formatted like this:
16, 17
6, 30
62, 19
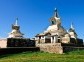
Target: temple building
15, 33
56, 39
56, 33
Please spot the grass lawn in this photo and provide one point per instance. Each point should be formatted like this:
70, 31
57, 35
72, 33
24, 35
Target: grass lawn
74, 56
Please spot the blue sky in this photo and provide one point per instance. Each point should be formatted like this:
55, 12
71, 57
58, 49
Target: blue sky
33, 15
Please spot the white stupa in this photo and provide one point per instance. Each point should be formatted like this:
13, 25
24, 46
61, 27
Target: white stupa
15, 33
55, 28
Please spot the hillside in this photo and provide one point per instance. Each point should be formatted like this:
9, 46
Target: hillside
74, 56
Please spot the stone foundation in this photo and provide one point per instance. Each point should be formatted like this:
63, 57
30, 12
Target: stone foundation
51, 47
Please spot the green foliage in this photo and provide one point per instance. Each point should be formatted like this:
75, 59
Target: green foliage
74, 56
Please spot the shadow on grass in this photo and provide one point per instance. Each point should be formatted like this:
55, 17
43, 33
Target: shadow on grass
6, 55
76, 52
18, 53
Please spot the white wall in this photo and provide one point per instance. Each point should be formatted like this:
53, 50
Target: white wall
3, 43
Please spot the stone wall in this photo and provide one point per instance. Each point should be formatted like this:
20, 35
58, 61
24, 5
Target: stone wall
51, 47
20, 42
16, 42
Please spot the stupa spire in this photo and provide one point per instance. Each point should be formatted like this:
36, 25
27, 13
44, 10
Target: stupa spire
55, 13
72, 26
16, 22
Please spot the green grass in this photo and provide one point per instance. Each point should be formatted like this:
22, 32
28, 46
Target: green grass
74, 56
